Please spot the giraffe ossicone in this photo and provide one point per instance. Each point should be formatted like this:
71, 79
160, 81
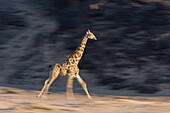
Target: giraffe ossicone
70, 69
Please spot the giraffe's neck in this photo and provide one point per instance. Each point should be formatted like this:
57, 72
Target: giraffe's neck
75, 57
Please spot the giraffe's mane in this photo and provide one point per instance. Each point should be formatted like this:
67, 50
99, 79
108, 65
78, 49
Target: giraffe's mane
76, 48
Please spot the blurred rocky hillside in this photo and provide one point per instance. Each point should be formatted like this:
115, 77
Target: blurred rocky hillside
132, 51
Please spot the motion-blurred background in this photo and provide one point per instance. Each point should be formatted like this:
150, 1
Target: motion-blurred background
132, 52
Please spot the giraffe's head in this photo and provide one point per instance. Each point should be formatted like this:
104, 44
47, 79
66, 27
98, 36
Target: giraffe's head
90, 35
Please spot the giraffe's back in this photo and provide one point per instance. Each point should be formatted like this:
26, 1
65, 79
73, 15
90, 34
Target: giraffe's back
63, 69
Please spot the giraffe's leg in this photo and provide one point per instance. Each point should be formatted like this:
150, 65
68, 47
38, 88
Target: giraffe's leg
48, 82
44, 87
83, 84
69, 92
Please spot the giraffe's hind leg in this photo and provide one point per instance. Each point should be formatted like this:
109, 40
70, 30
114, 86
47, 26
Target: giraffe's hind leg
53, 75
49, 84
83, 84
44, 87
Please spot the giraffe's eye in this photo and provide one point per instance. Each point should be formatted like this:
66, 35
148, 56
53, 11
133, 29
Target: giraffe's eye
88, 35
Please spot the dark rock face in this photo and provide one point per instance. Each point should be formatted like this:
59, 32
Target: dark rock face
147, 89
105, 80
133, 44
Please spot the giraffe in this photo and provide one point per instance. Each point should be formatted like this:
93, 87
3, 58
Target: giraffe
70, 69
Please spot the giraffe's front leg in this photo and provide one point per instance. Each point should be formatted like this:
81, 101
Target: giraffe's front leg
69, 93
83, 84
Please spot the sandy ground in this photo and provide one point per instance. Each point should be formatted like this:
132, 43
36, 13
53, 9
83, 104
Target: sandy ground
14, 100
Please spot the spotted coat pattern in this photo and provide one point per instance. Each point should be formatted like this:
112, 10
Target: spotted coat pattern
70, 69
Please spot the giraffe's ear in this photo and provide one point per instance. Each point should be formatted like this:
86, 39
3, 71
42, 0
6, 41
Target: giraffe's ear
88, 31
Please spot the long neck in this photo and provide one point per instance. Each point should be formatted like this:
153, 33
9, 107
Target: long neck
78, 53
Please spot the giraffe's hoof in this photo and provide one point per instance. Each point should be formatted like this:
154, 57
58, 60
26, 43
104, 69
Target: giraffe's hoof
37, 96
70, 98
90, 98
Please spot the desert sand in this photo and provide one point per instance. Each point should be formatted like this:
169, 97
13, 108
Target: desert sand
15, 100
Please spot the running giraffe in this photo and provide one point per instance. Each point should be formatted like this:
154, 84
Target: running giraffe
70, 69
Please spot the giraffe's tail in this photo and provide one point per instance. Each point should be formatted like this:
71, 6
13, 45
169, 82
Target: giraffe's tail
50, 67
